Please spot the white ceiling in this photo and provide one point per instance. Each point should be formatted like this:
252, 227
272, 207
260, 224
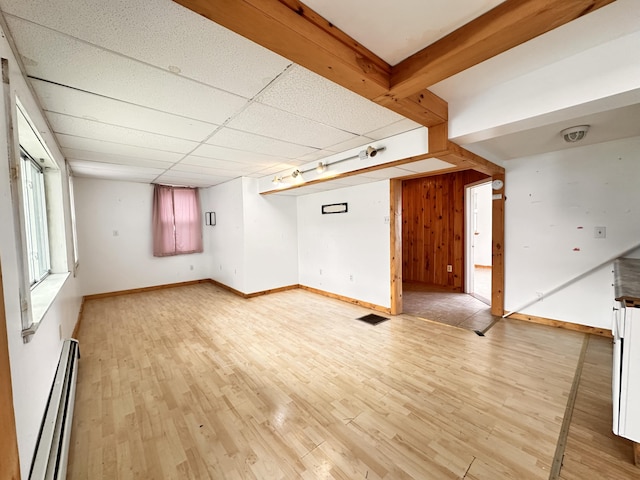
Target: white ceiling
147, 91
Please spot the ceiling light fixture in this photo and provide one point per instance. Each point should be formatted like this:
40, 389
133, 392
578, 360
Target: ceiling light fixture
574, 134
322, 166
370, 152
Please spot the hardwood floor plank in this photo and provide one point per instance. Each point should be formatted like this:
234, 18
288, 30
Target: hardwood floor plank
194, 382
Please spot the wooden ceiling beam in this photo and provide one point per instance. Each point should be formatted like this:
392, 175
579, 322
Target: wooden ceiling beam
506, 26
296, 32
293, 30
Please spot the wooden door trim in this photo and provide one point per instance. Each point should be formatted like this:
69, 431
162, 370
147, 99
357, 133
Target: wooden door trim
497, 246
10, 465
395, 225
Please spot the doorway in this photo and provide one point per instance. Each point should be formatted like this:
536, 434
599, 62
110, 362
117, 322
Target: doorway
428, 238
478, 230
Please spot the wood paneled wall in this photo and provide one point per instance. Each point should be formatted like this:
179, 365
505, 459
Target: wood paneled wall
433, 228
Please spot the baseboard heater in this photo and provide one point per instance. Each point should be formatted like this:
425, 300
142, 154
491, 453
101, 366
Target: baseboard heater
52, 448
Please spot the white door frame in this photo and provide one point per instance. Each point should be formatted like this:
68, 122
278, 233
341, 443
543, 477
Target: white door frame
469, 235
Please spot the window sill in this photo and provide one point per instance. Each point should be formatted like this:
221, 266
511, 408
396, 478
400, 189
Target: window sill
42, 297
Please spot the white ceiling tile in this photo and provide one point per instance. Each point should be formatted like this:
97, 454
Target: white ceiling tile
317, 155
181, 168
231, 166
230, 154
349, 144
46, 55
239, 140
402, 126
428, 165
193, 180
121, 173
82, 127
60, 99
114, 176
304, 93
396, 33
271, 122
118, 149
280, 167
164, 34
86, 155
82, 165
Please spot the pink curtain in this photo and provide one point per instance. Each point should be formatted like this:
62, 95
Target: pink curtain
176, 223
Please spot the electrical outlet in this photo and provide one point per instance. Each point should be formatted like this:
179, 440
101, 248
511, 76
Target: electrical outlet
320, 271
116, 233
449, 268
387, 220
190, 267
351, 278
600, 232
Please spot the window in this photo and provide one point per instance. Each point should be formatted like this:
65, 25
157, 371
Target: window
38, 198
35, 209
177, 228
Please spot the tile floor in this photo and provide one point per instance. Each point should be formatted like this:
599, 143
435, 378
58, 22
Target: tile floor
439, 305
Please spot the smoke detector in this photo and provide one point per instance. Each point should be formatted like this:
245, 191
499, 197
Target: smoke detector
575, 134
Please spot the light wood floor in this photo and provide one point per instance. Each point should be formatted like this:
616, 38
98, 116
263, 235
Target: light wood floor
193, 382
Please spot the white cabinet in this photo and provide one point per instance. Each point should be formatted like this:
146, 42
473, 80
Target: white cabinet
626, 350
627, 373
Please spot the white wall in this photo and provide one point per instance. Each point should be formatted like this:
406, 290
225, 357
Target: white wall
33, 364
115, 244
334, 248
254, 246
270, 239
554, 202
225, 241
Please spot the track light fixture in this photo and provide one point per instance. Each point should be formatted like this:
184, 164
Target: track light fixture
321, 167
369, 152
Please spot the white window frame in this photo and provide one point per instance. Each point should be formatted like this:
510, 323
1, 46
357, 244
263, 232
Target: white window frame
36, 297
36, 222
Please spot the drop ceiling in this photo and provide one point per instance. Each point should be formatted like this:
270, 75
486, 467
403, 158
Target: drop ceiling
148, 91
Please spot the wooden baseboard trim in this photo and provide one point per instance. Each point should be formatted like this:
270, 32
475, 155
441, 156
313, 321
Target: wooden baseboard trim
603, 332
143, 289
76, 328
273, 290
370, 306
636, 454
354, 301
227, 288
254, 294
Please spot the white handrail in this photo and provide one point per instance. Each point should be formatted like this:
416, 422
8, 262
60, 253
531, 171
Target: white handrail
571, 281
